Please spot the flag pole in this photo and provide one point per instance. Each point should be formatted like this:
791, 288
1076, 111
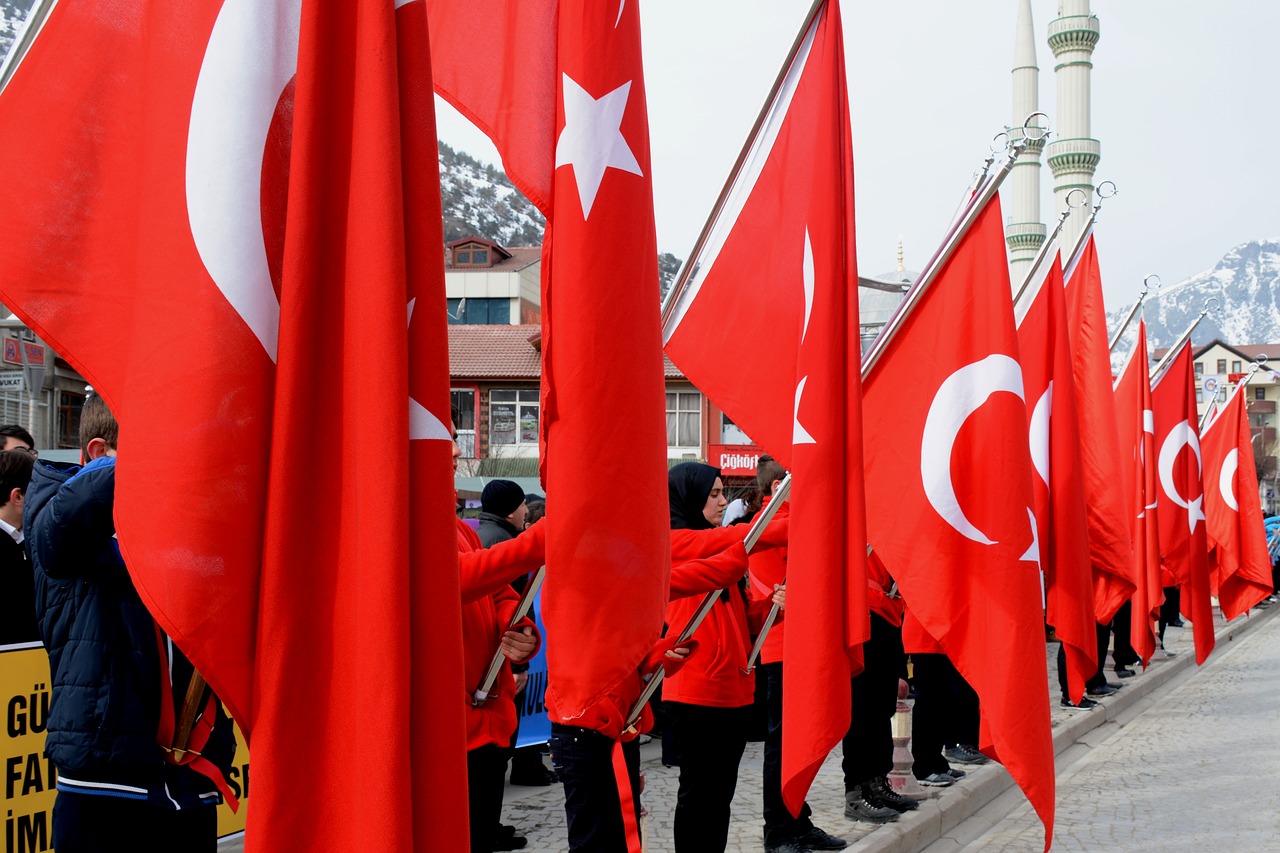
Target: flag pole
482, 692
1103, 194
949, 244
1157, 373
1133, 312
31, 29
1258, 364
1043, 254
708, 601
690, 266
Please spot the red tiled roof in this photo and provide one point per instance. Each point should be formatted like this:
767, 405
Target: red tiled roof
505, 352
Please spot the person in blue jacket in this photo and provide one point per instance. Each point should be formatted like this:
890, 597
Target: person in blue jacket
126, 779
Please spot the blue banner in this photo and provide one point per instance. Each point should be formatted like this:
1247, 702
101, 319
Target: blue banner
535, 726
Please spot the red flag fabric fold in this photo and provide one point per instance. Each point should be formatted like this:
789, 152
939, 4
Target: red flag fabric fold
949, 503
1184, 545
788, 230
1061, 514
1137, 437
148, 243
1109, 544
559, 88
1239, 562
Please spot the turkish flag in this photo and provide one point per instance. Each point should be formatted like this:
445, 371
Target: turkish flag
1184, 544
949, 502
559, 87
797, 391
1137, 437
1061, 515
1109, 544
1240, 564
153, 152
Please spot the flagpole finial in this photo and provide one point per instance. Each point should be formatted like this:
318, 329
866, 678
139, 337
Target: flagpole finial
1034, 132
1210, 304
1147, 283
1105, 190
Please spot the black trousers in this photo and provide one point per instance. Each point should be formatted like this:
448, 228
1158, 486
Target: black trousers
1104, 641
945, 712
1169, 608
592, 805
708, 744
779, 824
868, 745
486, 767
1122, 652
90, 824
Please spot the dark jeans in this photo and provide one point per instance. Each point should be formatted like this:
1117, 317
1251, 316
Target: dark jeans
709, 744
1122, 652
486, 767
89, 824
779, 824
868, 745
592, 804
1169, 609
1104, 640
946, 712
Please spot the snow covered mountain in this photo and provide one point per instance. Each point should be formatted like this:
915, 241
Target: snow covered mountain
1246, 283
12, 15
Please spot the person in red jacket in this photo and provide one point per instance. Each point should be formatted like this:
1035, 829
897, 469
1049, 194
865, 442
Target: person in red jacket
783, 832
708, 701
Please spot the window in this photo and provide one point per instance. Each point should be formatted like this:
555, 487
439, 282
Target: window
1222, 365
731, 433
1199, 368
471, 255
1235, 367
69, 406
464, 403
1258, 421
513, 417
684, 416
1259, 393
1199, 394
479, 312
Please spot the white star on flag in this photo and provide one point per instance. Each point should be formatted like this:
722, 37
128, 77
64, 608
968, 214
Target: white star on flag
592, 138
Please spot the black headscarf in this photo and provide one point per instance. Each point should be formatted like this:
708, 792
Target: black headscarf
689, 484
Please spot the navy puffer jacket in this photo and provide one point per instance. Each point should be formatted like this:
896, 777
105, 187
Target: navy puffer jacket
104, 653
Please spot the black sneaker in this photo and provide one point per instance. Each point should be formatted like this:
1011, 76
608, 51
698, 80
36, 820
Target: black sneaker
936, 780
861, 804
954, 773
816, 839
886, 796
1103, 690
963, 753
1125, 672
785, 847
1086, 704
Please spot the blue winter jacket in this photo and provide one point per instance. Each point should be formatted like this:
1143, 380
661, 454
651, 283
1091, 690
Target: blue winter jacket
104, 653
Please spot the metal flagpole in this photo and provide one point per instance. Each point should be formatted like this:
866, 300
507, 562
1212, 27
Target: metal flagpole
691, 265
1258, 364
1047, 245
522, 610
708, 601
1133, 312
1074, 255
35, 21
944, 251
1158, 372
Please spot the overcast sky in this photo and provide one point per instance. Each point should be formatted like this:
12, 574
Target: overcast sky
1184, 105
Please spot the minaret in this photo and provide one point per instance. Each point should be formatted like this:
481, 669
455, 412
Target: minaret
1024, 232
1074, 153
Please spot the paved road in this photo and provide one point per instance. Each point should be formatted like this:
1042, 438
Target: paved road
1193, 767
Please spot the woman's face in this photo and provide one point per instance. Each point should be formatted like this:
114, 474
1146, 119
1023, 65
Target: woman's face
713, 512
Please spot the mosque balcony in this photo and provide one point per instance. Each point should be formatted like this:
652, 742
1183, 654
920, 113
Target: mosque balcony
1034, 146
1074, 33
1074, 155
1024, 236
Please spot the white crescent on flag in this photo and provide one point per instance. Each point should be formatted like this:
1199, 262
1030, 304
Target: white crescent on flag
1180, 436
1227, 479
958, 397
1039, 433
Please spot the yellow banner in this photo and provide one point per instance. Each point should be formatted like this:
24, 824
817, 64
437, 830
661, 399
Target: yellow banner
30, 777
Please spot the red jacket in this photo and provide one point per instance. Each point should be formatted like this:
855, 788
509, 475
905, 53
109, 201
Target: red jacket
714, 675
488, 603
915, 639
879, 584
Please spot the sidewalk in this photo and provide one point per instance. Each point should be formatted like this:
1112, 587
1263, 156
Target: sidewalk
538, 813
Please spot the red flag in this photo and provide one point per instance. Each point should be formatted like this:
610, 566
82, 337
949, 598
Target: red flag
1183, 542
949, 497
147, 242
1061, 516
1109, 543
559, 88
1137, 437
797, 391
1241, 566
